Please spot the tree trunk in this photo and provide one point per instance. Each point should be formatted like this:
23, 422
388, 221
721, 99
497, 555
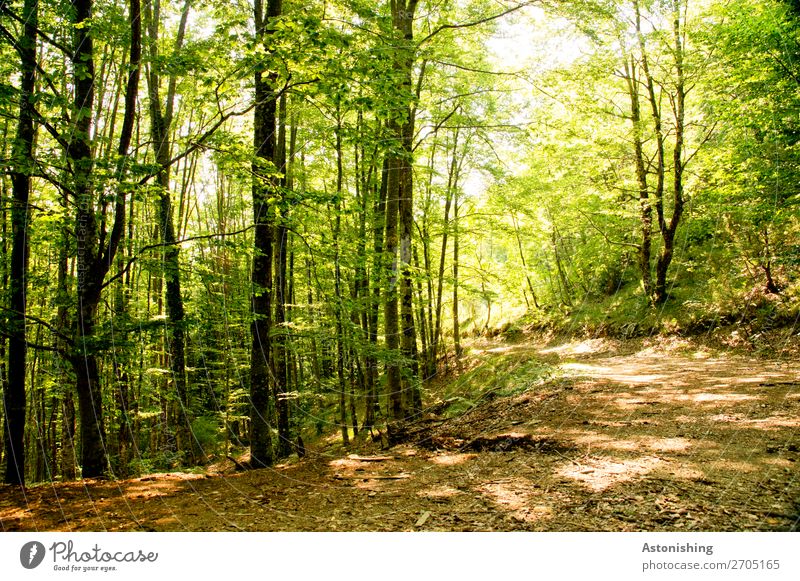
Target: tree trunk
456, 324
3, 289
645, 207
766, 265
14, 395
161, 127
401, 342
668, 231
378, 225
68, 453
452, 184
337, 282
280, 337
94, 259
566, 291
391, 321
4, 239
524, 262
423, 330
264, 184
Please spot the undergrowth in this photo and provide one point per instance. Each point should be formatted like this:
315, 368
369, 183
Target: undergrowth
745, 315
505, 372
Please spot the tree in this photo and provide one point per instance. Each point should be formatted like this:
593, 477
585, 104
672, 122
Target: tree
264, 189
750, 167
96, 247
23, 166
161, 118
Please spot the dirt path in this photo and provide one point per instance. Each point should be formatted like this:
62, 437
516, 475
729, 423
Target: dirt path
625, 437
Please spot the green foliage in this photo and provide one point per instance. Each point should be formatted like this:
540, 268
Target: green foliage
207, 433
536, 158
503, 375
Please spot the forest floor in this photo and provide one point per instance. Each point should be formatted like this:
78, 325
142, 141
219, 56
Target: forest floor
654, 435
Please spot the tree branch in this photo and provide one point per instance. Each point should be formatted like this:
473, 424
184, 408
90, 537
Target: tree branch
444, 27
438, 125
199, 141
605, 236
39, 321
37, 346
479, 71
7, 11
144, 249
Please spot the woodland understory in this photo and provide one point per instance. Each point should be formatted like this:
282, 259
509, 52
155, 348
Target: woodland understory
507, 259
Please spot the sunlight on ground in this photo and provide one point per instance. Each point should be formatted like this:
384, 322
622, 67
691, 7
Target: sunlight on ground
784, 463
730, 466
773, 423
15, 514
498, 350
660, 345
667, 444
714, 397
451, 459
151, 489
614, 442
160, 476
579, 348
346, 463
612, 374
597, 440
600, 474
516, 495
651, 397
372, 486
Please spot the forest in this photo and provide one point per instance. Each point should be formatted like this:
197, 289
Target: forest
244, 238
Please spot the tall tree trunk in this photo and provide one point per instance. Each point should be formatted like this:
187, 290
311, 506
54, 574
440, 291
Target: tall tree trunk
93, 459
452, 184
264, 185
14, 395
359, 293
94, 257
645, 206
522, 259
771, 286
401, 385
391, 321
378, 225
68, 453
679, 99
281, 336
337, 282
566, 289
427, 301
456, 323
161, 127
667, 229
423, 330
4, 251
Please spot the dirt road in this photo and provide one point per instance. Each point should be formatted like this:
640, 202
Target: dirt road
625, 437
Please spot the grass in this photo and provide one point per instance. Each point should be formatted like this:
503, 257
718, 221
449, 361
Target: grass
693, 307
496, 374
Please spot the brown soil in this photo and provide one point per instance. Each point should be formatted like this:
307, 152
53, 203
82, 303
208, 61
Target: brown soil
629, 436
